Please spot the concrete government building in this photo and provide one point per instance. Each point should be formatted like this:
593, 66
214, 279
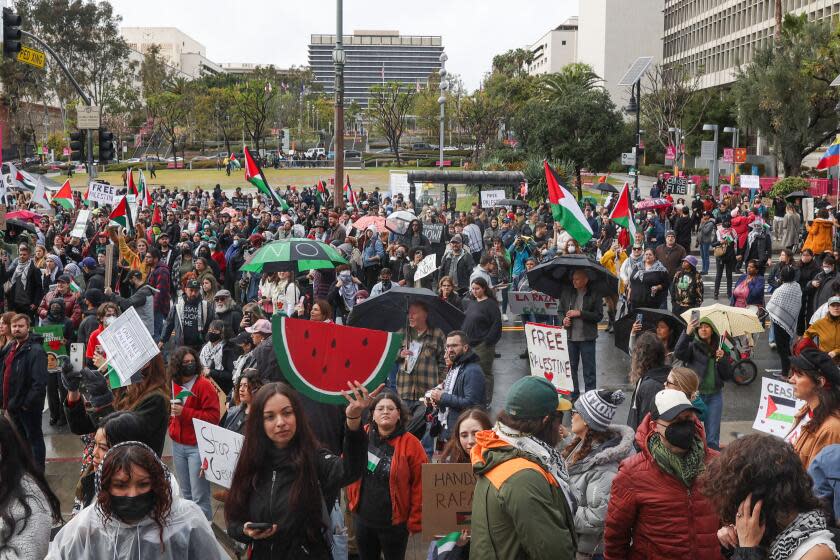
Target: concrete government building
374, 57
712, 37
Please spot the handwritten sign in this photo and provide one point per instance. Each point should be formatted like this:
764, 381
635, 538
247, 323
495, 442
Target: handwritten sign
433, 231
489, 199
81, 224
427, 266
102, 193
128, 344
532, 303
750, 182
447, 498
219, 451
548, 354
777, 408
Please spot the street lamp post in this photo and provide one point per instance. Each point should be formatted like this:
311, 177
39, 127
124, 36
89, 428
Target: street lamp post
735, 141
678, 140
714, 174
635, 106
339, 59
444, 85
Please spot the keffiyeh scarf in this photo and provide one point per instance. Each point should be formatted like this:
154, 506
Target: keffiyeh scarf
784, 306
796, 533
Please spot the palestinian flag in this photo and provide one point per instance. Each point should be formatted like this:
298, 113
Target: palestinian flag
75, 287
132, 188
64, 196
726, 343
349, 195
22, 178
157, 219
621, 213
179, 392
255, 176
781, 409
120, 215
85, 200
445, 547
565, 208
145, 196
321, 192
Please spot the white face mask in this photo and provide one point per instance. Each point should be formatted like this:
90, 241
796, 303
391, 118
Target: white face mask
571, 249
109, 321
827, 269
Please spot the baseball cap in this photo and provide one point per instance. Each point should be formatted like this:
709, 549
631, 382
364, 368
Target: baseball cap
261, 326
242, 338
534, 397
222, 294
135, 274
64, 279
670, 232
89, 262
833, 299
194, 284
670, 403
456, 239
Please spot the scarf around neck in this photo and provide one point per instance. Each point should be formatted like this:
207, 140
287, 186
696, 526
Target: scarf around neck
803, 526
685, 468
22, 273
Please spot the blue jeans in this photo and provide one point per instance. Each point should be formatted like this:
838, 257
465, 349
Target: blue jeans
714, 412
704, 257
582, 351
187, 468
158, 323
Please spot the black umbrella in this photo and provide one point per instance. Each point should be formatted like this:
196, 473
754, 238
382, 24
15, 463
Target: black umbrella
797, 194
649, 319
512, 202
550, 278
388, 311
606, 187
20, 224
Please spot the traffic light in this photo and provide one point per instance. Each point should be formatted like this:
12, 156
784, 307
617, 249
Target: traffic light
106, 145
11, 33
77, 146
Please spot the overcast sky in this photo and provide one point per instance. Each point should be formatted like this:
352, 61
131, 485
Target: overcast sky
277, 31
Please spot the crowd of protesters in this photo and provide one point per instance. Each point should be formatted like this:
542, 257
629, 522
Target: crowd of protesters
310, 474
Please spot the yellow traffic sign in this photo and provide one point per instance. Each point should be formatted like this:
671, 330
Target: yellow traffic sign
31, 56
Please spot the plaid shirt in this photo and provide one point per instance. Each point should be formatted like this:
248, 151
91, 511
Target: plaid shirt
428, 371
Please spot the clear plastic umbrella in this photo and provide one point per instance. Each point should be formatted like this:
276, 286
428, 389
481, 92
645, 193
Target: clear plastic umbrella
398, 222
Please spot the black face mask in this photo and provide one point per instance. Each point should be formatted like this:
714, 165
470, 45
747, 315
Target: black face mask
214, 336
188, 370
680, 434
386, 284
133, 508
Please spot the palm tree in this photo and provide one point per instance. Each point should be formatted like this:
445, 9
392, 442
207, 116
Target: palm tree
779, 17
572, 77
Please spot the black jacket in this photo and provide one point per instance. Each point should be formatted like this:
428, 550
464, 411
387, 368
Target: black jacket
28, 383
463, 269
467, 392
690, 351
21, 298
651, 383
224, 377
269, 501
590, 312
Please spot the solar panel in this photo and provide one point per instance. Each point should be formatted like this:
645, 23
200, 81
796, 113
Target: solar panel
835, 82
636, 71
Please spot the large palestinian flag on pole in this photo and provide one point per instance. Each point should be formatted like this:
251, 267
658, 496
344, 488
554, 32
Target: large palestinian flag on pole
255, 176
120, 215
64, 196
565, 208
132, 188
349, 194
622, 214
145, 197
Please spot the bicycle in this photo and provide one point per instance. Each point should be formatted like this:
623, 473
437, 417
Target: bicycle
744, 370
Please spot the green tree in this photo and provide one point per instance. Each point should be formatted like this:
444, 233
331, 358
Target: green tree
217, 113
481, 115
569, 80
256, 101
785, 91
514, 63
155, 73
671, 98
387, 109
170, 110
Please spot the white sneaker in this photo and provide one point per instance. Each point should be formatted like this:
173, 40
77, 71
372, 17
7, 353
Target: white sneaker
772, 345
504, 317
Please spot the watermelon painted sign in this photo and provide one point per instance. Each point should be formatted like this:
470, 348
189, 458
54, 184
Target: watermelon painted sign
777, 408
319, 359
53, 339
548, 355
218, 450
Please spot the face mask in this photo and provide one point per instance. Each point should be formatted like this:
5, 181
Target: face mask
386, 284
345, 278
214, 336
133, 508
236, 243
680, 434
571, 249
188, 370
109, 321
827, 269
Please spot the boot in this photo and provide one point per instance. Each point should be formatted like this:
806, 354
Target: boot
611, 324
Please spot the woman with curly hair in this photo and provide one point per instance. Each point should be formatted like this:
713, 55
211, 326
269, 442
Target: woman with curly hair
762, 492
816, 380
135, 515
648, 372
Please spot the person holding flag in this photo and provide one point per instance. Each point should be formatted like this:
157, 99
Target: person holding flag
254, 175
565, 209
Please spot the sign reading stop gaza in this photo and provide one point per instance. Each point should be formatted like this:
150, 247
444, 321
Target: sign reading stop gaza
548, 354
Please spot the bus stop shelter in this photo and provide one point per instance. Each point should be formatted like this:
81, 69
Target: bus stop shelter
472, 178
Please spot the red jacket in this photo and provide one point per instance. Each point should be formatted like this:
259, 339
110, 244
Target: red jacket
405, 482
741, 225
72, 309
204, 406
651, 514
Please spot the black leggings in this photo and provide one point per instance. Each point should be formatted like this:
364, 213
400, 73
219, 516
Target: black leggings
782, 346
728, 264
390, 543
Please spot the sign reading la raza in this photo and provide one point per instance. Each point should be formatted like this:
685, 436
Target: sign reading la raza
102, 193
219, 451
548, 354
532, 303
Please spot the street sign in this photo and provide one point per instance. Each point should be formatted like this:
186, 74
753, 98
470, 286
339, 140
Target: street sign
708, 149
740, 155
670, 152
87, 117
66, 151
628, 159
33, 57
728, 155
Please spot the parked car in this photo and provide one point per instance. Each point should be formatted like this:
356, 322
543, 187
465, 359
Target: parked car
417, 146
315, 152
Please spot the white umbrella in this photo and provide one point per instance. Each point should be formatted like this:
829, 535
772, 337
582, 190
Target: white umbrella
398, 222
735, 321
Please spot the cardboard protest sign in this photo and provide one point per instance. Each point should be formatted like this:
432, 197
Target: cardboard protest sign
128, 344
776, 408
219, 451
490, 198
102, 193
531, 303
427, 266
81, 224
447, 498
53, 339
548, 354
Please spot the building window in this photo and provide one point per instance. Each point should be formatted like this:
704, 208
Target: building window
563, 43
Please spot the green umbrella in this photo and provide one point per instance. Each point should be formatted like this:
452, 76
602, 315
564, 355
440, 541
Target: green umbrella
294, 255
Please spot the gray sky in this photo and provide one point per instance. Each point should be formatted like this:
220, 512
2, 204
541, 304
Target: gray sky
277, 31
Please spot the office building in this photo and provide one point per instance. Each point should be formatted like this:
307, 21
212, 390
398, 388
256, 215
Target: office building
375, 57
555, 49
186, 56
614, 33
711, 38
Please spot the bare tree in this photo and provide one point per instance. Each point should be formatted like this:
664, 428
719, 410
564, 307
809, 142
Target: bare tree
388, 106
666, 95
780, 16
